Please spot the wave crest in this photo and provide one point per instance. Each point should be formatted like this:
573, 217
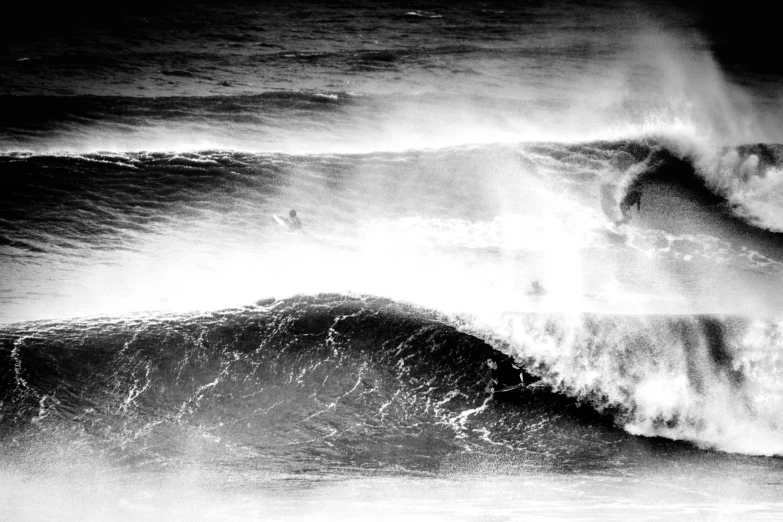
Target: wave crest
710, 380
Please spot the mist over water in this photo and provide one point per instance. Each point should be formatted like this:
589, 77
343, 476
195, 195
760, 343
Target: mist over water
389, 80
162, 332
160, 222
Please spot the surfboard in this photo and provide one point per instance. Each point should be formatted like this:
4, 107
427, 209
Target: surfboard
509, 388
281, 221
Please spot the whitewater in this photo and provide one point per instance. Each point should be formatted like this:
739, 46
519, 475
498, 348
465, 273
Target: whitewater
464, 178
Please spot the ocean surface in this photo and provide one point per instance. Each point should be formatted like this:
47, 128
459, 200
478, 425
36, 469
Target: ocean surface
170, 351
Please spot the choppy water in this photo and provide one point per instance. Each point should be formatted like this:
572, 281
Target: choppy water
164, 337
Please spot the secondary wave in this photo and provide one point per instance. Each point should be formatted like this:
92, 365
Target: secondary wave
76, 228
744, 180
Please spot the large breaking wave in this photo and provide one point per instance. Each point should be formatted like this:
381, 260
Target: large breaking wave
366, 382
666, 327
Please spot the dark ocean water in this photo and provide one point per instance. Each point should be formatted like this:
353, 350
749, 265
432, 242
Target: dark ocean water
169, 351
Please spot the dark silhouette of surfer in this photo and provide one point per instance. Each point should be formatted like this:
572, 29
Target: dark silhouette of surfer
507, 379
503, 374
293, 221
634, 197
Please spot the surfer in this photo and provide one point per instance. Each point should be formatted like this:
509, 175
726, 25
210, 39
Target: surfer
504, 375
536, 289
634, 197
293, 221
290, 223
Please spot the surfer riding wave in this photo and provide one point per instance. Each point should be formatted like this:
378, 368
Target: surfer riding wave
610, 206
634, 197
505, 375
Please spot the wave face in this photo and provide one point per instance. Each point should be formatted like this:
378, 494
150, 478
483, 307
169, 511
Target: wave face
332, 382
323, 381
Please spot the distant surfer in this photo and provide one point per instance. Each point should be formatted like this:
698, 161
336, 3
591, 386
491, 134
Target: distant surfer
634, 197
294, 222
291, 222
536, 289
